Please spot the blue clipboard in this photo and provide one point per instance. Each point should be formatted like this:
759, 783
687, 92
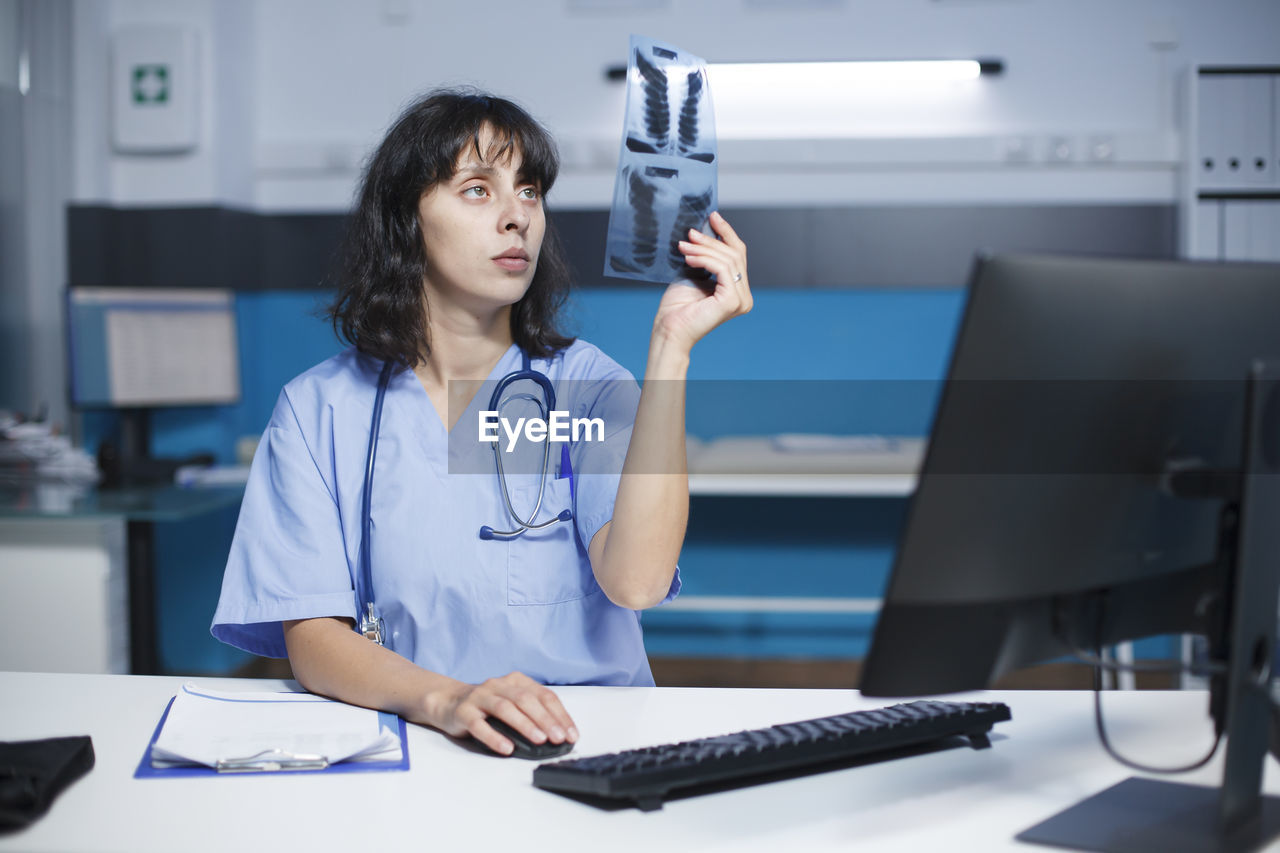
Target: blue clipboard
146, 771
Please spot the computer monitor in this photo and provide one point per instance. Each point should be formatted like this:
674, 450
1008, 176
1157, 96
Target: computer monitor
1102, 467
135, 349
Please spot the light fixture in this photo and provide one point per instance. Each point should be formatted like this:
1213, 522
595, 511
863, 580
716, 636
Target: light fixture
748, 75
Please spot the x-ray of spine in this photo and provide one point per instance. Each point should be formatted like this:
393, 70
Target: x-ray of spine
666, 182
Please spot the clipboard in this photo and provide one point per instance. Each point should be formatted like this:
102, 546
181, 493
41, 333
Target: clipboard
285, 764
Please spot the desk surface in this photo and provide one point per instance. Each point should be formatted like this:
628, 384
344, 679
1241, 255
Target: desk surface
1045, 759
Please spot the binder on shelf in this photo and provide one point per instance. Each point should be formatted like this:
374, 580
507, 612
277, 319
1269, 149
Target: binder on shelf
205, 732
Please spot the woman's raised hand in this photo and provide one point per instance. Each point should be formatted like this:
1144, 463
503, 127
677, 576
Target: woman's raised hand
687, 311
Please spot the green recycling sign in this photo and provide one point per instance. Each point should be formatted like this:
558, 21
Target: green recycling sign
150, 84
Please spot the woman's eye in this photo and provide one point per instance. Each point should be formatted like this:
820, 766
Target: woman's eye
530, 193
475, 192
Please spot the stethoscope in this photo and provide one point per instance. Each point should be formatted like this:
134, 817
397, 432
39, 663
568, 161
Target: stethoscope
371, 624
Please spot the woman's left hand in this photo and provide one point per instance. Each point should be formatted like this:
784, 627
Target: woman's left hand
687, 312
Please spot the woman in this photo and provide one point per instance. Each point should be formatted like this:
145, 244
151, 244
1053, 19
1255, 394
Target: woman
452, 278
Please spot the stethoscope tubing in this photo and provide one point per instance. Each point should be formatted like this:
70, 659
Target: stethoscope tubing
366, 515
368, 621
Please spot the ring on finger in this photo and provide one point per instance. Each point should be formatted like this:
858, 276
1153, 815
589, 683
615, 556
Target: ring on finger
737, 277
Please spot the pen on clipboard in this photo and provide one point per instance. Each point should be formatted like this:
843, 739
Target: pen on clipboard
271, 760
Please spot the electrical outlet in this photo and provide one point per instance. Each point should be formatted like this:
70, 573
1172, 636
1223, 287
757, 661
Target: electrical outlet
1102, 148
1061, 149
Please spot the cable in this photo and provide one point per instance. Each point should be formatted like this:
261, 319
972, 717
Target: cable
1100, 664
1134, 765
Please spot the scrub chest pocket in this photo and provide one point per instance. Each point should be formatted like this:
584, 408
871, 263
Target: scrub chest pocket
547, 566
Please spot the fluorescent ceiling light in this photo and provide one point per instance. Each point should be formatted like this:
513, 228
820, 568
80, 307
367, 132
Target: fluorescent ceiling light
796, 75
775, 100
781, 75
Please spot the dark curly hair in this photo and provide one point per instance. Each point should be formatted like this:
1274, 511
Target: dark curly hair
381, 306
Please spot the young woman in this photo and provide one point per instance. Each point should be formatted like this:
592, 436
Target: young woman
452, 279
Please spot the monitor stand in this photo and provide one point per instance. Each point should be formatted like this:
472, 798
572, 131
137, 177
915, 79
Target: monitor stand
1141, 815
130, 462
1146, 814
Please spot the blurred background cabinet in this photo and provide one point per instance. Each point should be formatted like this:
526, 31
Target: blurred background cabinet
1231, 190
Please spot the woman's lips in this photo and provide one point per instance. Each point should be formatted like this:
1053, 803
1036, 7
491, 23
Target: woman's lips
512, 263
514, 259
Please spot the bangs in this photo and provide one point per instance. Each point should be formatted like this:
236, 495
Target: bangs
510, 132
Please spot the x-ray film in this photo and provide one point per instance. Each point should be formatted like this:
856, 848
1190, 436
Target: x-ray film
666, 181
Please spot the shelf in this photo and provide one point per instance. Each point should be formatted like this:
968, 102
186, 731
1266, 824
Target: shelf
802, 485
771, 604
805, 466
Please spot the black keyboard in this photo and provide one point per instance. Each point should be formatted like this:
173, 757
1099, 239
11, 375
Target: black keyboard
646, 776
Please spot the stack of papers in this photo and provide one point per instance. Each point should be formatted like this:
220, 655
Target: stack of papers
261, 731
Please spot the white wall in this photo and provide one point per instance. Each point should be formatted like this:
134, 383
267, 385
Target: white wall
297, 91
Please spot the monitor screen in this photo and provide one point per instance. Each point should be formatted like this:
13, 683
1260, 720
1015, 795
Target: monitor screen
152, 347
1103, 467
1075, 385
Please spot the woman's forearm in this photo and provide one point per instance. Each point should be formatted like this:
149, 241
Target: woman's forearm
643, 540
331, 659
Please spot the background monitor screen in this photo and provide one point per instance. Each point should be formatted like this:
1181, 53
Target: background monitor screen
152, 347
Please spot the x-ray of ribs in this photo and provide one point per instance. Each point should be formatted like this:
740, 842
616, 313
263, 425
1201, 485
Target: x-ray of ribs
687, 126
657, 109
693, 212
644, 227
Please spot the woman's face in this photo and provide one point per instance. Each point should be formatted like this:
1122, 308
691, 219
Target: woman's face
482, 231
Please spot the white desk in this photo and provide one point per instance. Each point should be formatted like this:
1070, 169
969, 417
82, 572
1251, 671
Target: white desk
1045, 759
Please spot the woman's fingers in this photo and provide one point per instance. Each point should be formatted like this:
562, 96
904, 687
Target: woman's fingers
722, 227
561, 717
691, 312
528, 707
729, 267
487, 735
717, 253
725, 254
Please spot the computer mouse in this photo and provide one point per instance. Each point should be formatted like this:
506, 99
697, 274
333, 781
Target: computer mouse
526, 748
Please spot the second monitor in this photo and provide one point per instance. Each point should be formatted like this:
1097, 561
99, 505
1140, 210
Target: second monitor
1102, 467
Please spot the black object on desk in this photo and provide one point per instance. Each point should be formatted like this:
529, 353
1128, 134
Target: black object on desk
646, 776
34, 772
525, 748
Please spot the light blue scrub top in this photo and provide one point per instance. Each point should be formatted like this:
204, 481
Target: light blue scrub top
452, 602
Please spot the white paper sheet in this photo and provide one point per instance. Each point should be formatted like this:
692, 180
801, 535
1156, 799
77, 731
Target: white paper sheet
207, 726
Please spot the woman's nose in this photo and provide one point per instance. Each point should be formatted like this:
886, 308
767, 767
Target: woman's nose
514, 215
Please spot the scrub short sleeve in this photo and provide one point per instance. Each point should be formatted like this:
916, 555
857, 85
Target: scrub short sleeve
598, 464
288, 556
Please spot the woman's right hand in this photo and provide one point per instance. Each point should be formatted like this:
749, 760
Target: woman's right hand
529, 707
